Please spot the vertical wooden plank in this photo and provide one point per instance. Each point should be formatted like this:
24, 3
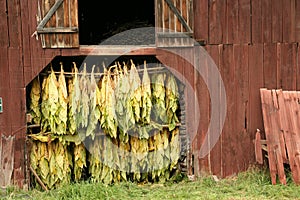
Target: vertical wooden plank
258, 149
298, 69
14, 23
59, 16
232, 22
287, 125
227, 65
201, 20
166, 27
297, 21
17, 104
244, 21
16, 77
184, 12
267, 20
4, 69
171, 21
159, 14
288, 22
67, 23
201, 91
37, 54
4, 41
288, 66
277, 20
5, 121
178, 27
240, 53
272, 132
215, 52
255, 83
52, 23
270, 71
256, 7
26, 42
7, 162
217, 19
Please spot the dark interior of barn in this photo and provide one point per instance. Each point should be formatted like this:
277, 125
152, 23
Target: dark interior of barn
98, 23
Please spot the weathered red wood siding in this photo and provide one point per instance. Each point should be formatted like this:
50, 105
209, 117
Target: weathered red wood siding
254, 43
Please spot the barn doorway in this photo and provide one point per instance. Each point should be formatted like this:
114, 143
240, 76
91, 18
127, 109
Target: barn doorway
96, 24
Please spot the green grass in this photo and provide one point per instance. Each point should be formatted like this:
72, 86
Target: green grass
252, 184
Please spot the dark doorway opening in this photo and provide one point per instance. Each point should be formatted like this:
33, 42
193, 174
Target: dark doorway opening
112, 18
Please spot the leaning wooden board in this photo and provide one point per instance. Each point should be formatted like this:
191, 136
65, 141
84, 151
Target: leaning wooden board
273, 135
282, 129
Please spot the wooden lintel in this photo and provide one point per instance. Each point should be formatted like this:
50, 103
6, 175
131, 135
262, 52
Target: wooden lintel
174, 34
58, 30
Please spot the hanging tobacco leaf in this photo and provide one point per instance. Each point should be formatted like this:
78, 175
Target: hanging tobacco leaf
172, 101
62, 111
35, 96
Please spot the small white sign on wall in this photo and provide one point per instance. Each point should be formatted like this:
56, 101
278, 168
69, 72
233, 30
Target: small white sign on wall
1, 105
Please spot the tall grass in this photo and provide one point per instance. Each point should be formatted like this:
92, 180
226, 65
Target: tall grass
252, 184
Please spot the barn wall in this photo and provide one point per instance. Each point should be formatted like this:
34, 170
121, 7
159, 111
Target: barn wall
250, 52
253, 42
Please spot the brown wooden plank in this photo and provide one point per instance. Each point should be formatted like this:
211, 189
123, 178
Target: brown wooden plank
184, 12
26, 42
277, 20
4, 41
288, 22
201, 91
244, 21
178, 5
241, 52
227, 70
297, 21
5, 121
287, 125
274, 152
215, 52
257, 36
59, 15
178, 27
67, 23
298, 69
278, 65
52, 23
258, 149
19, 155
270, 71
158, 14
17, 107
35, 45
217, 22
14, 23
16, 77
45, 7
296, 132
7, 162
266, 20
288, 66
232, 22
255, 120
172, 19
4, 69
201, 20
